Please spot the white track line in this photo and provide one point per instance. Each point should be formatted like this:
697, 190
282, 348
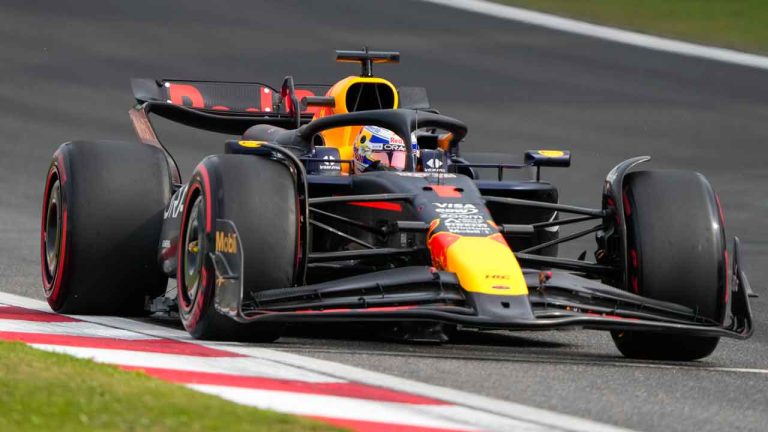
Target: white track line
226, 365
440, 416
70, 329
553, 359
658, 43
480, 403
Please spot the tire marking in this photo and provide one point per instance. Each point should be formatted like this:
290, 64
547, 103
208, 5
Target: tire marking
612, 34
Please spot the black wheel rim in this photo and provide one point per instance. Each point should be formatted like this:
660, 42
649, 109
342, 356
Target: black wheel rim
193, 249
52, 234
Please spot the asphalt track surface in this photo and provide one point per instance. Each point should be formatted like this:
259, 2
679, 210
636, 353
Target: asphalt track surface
64, 69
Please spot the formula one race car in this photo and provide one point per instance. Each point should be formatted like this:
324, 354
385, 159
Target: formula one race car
322, 211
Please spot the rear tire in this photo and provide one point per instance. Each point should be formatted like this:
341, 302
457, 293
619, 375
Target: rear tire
259, 196
677, 253
102, 214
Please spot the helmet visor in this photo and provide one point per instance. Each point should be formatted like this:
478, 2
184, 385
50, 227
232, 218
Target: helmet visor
391, 159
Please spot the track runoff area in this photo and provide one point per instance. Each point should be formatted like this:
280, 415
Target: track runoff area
341, 395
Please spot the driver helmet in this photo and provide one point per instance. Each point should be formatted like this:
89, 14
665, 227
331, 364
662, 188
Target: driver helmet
377, 148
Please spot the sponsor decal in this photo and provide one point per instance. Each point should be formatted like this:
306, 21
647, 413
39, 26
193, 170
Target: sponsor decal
433, 165
455, 208
425, 174
255, 99
226, 242
438, 246
463, 219
394, 147
377, 132
329, 166
165, 244
466, 225
176, 204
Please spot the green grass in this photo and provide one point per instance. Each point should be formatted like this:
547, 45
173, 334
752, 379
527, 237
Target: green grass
41, 391
738, 24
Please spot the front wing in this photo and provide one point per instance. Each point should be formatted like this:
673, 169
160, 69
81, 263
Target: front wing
556, 299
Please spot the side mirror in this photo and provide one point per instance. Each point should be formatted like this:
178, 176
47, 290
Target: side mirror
548, 158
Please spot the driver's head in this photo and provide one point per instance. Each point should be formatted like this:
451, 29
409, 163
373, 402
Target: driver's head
378, 148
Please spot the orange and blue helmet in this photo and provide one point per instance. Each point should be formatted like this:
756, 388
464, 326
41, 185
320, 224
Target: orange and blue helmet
379, 148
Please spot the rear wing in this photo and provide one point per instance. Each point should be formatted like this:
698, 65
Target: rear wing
226, 107
231, 107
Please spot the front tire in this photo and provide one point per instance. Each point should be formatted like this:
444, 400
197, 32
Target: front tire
259, 196
677, 253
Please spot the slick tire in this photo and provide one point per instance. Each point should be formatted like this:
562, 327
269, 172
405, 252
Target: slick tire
259, 196
677, 253
102, 212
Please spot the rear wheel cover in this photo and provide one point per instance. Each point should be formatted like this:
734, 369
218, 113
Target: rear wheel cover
193, 250
53, 236
52, 230
191, 273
